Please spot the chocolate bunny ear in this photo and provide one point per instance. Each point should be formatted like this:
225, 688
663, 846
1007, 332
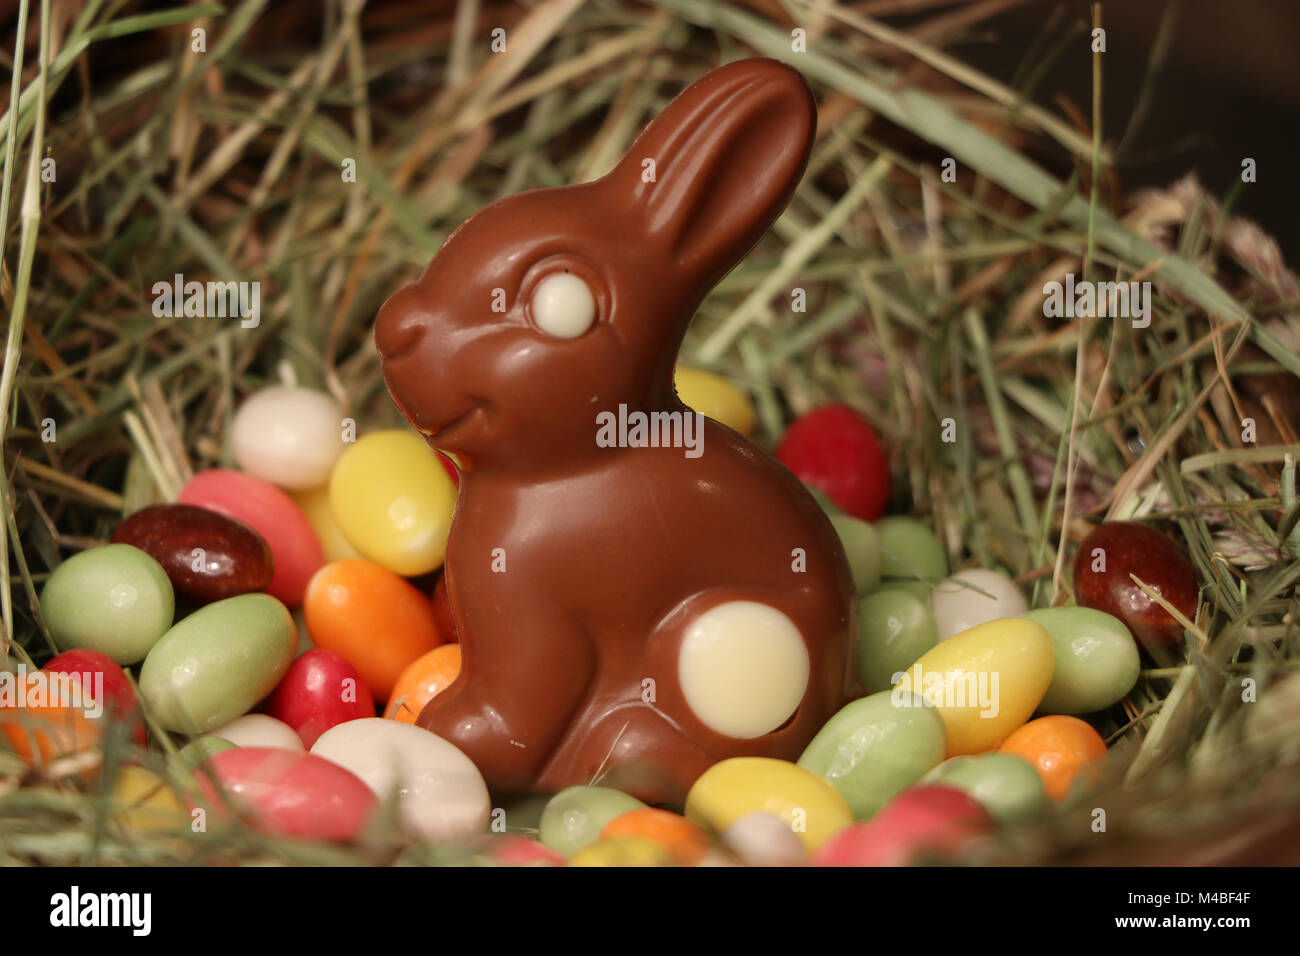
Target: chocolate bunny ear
725, 157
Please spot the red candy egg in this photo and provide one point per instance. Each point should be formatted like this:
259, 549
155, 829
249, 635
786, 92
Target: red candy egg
295, 548
1116, 549
118, 699
321, 689
833, 448
930, 820
288, 793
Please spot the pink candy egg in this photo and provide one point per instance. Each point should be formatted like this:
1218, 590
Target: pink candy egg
288, 793
270, 512
928, 820
320, 690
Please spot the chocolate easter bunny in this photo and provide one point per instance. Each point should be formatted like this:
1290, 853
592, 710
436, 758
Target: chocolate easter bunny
632, 614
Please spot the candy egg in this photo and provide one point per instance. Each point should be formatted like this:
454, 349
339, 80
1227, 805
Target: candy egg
1060, 748
1003, 784
44, 716
320, 689
394, 501
423, 679
315, 504
715, 397
762, 839
217, 663
1096, 659
377, 621
930, 820
107, 683
895, 628
732, 788
834, 448
681, 839
114, 599
626, 850
198, 750
575, 816
295, 550
512, 849
1102, 568
974, 596
288, 436
441, 796
259, 730
984, 682
288, 793
875, 747
909, 549
207, 556
142, 800
862, 548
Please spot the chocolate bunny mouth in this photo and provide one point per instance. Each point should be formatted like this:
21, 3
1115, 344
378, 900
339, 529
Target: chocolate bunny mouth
441, 433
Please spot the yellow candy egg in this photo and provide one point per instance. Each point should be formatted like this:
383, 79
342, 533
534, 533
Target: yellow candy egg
626, 850
315, 504
715, 397
393, 501
984, 682
145, 801
734, 788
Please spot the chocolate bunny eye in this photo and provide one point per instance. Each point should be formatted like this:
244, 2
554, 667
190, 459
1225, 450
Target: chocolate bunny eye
563, 306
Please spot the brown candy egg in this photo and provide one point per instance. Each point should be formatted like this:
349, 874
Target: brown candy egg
1116, 549
207, 556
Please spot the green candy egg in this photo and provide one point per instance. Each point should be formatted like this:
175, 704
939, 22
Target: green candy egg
909, 549
875, 747
862, 548
218, 662
895, 627
574, 817
113, 599
1096, 659
198, 751
1007, 786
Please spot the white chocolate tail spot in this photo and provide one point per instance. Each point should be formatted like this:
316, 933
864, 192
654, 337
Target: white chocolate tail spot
743, 668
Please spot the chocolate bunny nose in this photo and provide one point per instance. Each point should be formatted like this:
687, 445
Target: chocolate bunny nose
397, 330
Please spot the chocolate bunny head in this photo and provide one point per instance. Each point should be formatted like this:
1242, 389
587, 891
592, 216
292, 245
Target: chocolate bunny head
551, 305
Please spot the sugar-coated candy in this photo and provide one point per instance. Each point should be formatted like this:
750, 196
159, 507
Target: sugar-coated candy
764, 839
624, 850
142, 800
441, 796
1104, 567
1062, 749
289, 436
287, 793
377, 621
207, 556
320, 689
575, 816
1005, 785
422, 680
834, 448
909, 550
928, 821
875, 747
114, 599
94, 672
895, 627
259, 730
984, 682
295, 549
974, 596
394, 501
685, 842
217, 663
862, 548
1096, 659
315, 504
713, 396
737, 786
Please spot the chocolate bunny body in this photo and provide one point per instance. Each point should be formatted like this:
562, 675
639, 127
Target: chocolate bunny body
629, 612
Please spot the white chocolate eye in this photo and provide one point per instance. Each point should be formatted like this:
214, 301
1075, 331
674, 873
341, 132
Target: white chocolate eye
743, 668
563, 306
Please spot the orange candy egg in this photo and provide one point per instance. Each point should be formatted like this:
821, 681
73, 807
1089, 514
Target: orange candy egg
685, 842
375, 619
422, 680
39, 730
1060, 748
